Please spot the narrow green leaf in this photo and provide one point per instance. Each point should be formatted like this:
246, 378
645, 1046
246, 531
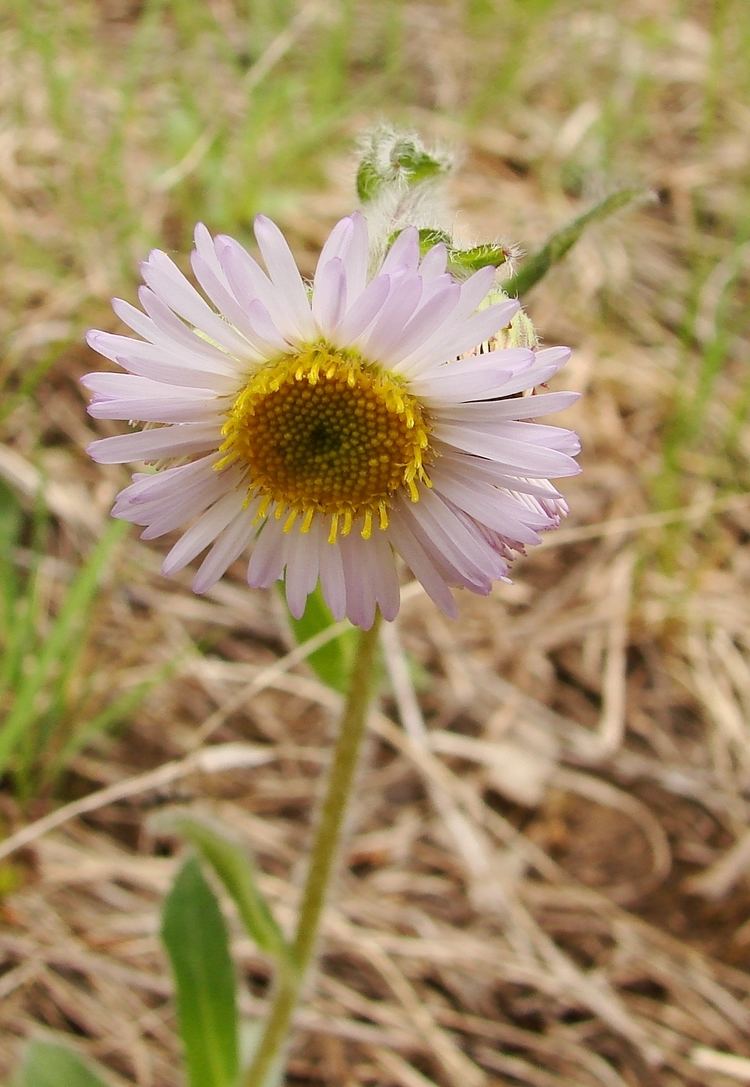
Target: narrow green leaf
195, 936
538, 264
332, 661
47, 1064
235, 869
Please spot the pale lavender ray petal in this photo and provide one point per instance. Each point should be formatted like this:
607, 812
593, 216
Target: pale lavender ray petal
545, 356
502, 364
248, 282
489, 506
364, 311
433, 286
403, 255
229, 546
265, 332
302, 567
176, 333
224, 299
169, 479
490, 472
176, 409
283, 270
332, 576
186, 490
520, 457
205, 530
358, 257
463, 549
420, 563
524, 407
166, 280
335, 246
431, 315
384, 575
170, 517
171, 441
269, 555
552, 437
133, 317
153, 366
527, 378
205, 247
434, 261
459, 337
455, 573
403, 299
329, 296
172, 354
473, 290
360, 594
116, 385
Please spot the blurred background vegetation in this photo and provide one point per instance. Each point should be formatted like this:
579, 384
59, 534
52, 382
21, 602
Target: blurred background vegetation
121, 124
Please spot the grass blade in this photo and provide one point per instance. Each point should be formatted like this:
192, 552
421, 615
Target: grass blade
62, 646
538, 264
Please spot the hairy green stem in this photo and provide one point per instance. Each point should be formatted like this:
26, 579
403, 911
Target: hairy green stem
331, 819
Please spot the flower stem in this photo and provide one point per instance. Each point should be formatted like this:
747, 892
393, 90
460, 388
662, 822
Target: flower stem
331, 821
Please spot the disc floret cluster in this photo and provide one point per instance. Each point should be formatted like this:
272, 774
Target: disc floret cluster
325, 433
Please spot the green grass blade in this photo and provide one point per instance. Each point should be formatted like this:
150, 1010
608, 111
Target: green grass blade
196, 939
63, 644
538, 264
107, 720
47, 1064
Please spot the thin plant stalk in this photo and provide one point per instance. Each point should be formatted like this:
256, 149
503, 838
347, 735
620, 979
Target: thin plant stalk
331, 820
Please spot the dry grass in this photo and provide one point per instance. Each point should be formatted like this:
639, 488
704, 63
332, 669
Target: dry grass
547, 879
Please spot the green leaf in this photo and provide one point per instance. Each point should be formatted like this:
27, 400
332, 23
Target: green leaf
47, 1064
332, 662
428, 236
234, 868
478, 256
393, 158
538, 264
195, 936
369, 181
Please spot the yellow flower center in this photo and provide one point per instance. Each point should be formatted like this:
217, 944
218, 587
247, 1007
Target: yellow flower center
326, 432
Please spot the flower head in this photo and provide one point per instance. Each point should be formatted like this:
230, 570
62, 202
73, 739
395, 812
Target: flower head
327, 430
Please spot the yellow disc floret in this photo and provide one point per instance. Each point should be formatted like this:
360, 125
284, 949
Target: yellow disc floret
326, 432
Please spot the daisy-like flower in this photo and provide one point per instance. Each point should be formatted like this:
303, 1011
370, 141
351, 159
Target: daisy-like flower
327, 430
